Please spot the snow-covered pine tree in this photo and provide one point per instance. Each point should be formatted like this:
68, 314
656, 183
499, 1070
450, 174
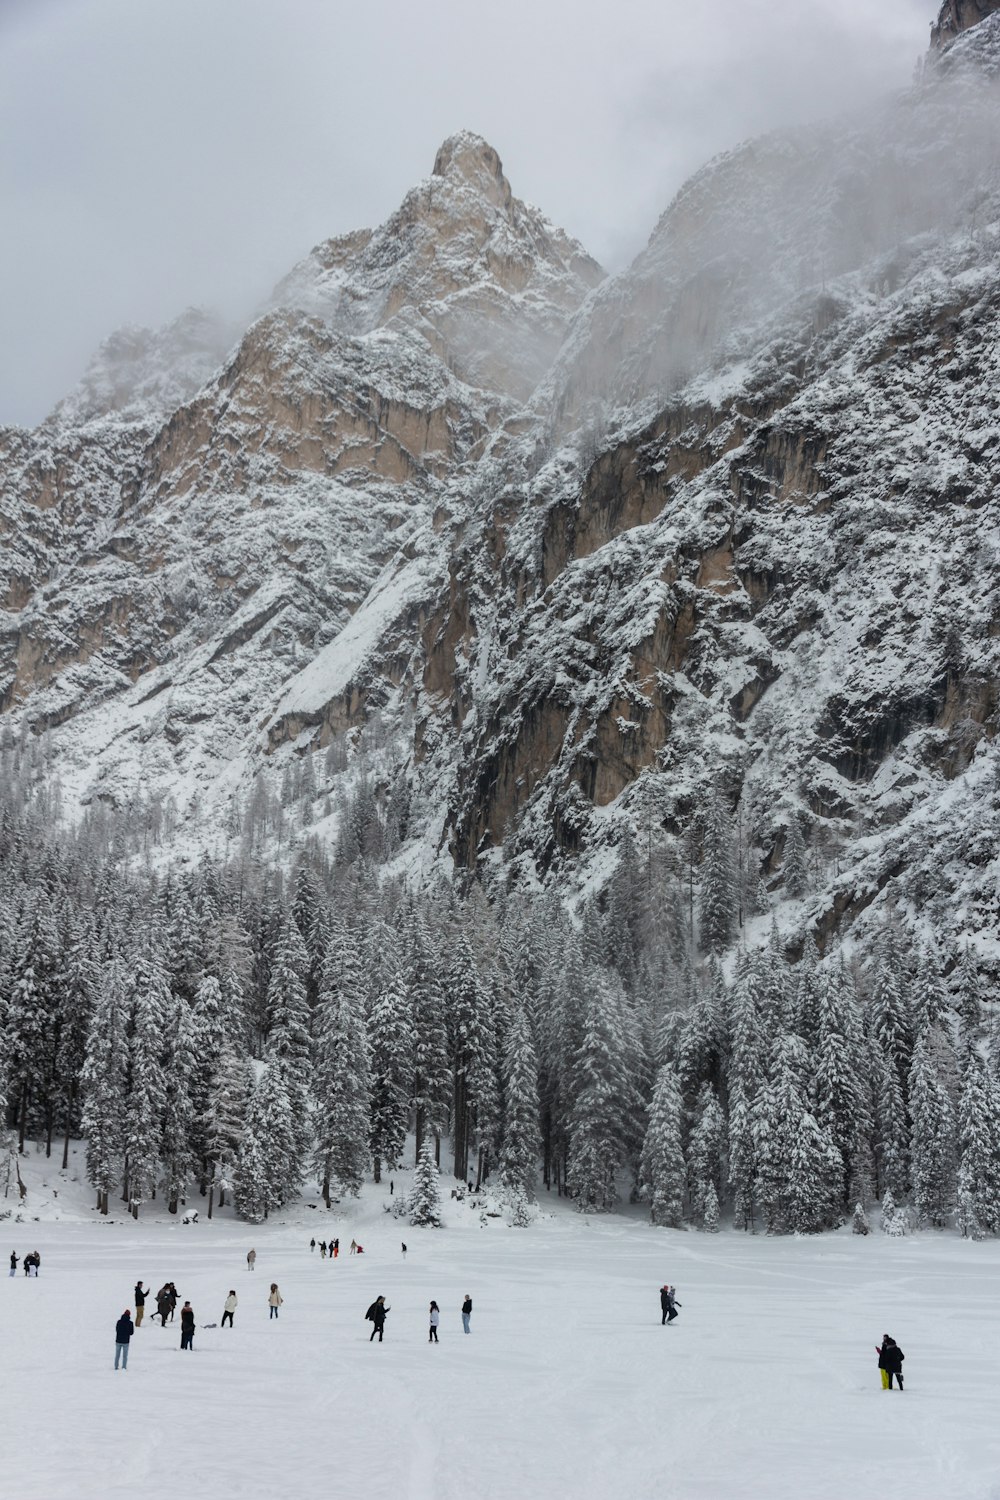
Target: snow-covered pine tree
979, 1134
793, 862
521, 1139
710, 1217
602, 1094
425, 1197
892, 1140
893, 1222
222, 1127
933, 1139
859, 1220
701, 1044
343, 1106
839, 1092
661, 1167
151, 1004
717, 911
268, 1169
179, 1110
103, 1083
289, 1026
706, 1149
390, 1039
746, 1077
431, 1084
800, 1168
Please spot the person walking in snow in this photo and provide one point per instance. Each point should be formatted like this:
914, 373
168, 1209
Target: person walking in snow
229, 1308
36, 1260
140, 1301
163, 1304
466, 1313
274, 1301
187, 1326
173, 1298
13, 1261
312, 1245
432, 1337
322, 1249
336, 1249
403, 1243
354, 1247
890, 1362
668, 1304
376, 1315
124, 1330
251, 1260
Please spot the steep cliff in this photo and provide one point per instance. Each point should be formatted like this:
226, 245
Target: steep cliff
720, 530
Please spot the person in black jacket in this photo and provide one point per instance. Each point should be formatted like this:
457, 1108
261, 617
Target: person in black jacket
668, 1304
890, 1362
187, 1326
13, 1261
376, 1316
124, 1330
466, 1312
140, 1301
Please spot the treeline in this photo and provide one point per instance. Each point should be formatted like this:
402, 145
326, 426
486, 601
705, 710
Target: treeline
232, 1030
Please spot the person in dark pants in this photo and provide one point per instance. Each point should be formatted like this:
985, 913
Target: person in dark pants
668, 1304
376, 1316
229, 1308
163, 1304
187, 1326
140, 1302
435, 1320
890, 1362
13, 1262
124, 1330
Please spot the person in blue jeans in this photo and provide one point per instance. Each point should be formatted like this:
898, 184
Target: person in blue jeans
274, 1301
466, 1312
124, 1330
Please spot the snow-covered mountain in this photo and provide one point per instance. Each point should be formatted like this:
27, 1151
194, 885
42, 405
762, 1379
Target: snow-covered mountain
599, 552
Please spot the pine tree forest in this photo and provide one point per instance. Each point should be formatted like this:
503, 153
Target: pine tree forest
267, 1020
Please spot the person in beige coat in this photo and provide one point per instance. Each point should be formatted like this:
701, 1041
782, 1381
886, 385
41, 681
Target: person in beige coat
275, 1300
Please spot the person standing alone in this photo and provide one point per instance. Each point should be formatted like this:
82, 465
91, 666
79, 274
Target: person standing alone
251, 1259
466, 1312
124, 1330
187, 1326
274, 1301
432, 1337
229, 1309
376, 1316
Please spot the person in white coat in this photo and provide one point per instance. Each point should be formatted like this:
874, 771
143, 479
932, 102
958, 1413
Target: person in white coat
275, 1300
435, 1320
229, 1308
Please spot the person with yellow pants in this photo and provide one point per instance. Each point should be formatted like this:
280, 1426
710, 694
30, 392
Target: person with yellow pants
890, 1362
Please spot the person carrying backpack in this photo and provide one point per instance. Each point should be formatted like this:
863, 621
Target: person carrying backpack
890, 1362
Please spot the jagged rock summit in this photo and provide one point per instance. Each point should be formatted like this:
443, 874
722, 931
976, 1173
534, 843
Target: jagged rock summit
483, 277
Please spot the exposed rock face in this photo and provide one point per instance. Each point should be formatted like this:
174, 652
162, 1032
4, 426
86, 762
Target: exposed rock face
724, 525
957, 16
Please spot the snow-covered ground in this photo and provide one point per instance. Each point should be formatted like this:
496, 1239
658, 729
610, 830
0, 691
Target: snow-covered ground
567, 1387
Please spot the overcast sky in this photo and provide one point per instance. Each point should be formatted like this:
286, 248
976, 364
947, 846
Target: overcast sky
158, 153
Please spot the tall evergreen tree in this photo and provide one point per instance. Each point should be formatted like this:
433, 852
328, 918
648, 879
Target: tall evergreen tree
521, 1138
661, 1169
343, 1118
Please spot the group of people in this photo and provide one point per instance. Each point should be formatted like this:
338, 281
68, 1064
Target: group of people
166, 1302
334, 1248
376, 1315
31, 1263
668, 1303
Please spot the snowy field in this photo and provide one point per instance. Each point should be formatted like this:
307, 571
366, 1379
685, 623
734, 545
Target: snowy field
568, 1386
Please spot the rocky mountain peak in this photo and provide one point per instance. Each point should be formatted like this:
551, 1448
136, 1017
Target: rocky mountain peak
956, 16
466, 157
